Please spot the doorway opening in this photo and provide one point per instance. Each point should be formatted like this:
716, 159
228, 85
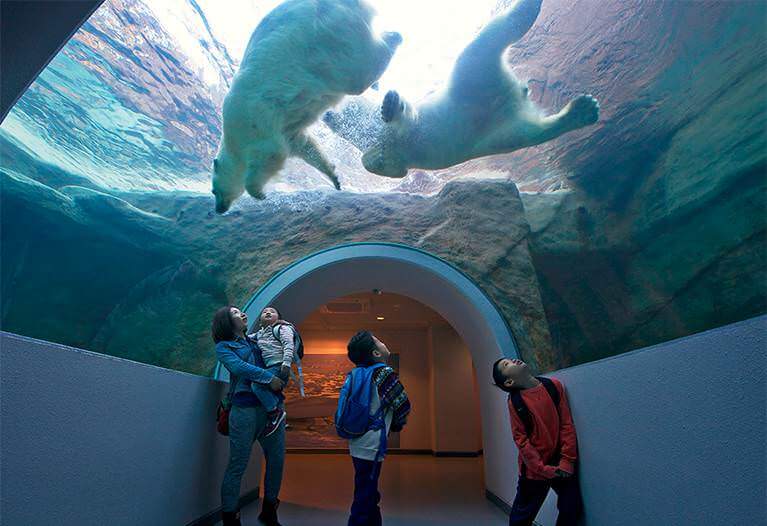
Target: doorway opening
346, 270
431, 359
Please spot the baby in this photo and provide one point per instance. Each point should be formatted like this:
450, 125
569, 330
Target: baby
276, 341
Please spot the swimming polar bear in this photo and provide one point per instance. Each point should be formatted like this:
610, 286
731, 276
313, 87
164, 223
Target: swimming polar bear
484, 110
303, 57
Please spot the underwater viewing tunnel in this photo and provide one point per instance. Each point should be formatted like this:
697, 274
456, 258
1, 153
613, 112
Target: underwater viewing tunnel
549, 215
402, 270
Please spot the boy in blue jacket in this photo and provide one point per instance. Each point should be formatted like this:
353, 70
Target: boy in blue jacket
365, 350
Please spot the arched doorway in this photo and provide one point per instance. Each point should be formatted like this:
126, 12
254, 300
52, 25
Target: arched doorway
301, 287
431, 359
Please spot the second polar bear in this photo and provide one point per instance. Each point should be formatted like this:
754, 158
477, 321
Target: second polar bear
483, 111
303, 57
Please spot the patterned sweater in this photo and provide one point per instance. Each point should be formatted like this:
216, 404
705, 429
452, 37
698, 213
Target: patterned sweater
393, 396
396, 406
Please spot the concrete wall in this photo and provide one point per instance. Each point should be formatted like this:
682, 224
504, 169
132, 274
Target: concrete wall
672, 434
90, 439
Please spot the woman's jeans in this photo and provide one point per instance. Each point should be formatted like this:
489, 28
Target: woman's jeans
245, 426
268, 398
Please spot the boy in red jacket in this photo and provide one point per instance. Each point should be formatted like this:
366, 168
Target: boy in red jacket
545, 436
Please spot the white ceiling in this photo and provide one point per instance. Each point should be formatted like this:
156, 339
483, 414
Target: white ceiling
398, 312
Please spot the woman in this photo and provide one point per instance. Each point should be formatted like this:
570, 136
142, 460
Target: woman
247, 418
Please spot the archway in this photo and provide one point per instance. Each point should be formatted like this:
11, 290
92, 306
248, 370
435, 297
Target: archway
429, 356
346, 269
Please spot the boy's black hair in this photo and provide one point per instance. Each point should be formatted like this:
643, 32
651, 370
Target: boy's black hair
498, 377
360, 348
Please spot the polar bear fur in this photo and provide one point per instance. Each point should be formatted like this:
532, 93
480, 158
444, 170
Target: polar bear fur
303, 57
484, 110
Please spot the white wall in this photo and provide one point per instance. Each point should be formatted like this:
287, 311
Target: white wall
672, 434
436, 369
89, 439
455, 399
411, 345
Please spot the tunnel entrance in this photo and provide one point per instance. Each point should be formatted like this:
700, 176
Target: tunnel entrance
425, 278
429, 356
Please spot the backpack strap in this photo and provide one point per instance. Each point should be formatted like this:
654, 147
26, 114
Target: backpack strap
380, 416
521, 407
279, 324
554, 394
515, 397
551, 389
300, 378
296, 358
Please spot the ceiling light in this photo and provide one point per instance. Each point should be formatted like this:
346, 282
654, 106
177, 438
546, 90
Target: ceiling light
380, 318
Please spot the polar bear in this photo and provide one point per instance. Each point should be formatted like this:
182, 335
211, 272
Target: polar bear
303, 57
484, 110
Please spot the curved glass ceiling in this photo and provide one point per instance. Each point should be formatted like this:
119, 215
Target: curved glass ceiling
133, 101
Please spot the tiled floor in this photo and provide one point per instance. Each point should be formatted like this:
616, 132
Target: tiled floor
415, 490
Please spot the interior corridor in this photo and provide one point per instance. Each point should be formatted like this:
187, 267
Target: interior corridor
415, 489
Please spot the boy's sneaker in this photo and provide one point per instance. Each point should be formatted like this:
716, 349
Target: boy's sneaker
230, 518
268, 515
273, 421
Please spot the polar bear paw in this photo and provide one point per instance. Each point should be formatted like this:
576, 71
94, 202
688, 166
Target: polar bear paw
336, 183
582, 111
392, 106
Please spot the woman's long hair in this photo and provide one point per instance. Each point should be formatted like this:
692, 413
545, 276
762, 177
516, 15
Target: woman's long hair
222, 328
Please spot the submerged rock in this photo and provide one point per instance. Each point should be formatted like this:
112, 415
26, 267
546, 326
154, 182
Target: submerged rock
183, 261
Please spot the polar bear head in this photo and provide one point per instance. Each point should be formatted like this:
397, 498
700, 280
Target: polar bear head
233, 175
385, 158
228, 181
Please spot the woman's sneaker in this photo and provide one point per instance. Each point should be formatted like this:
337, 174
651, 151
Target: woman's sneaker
273, 421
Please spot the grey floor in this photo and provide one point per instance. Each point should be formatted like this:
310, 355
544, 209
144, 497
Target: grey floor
415, 490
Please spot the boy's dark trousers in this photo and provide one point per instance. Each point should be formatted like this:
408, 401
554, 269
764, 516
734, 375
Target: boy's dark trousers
532, 493
365, 510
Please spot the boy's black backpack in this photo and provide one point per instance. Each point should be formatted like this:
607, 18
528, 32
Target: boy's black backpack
298, 343
521, 408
